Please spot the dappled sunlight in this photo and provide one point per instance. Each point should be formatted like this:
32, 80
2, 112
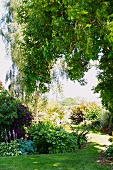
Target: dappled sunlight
32, 158
86, 158
100, 147
56, 164
35, 162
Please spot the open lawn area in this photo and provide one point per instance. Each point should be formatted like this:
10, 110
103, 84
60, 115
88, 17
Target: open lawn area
84, 159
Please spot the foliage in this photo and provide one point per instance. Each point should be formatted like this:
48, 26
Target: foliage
109, 151
96, 124
81, 137
110, 139
44, 31
8, 110
26, 146
14, 116
9, 149
77, 115
54, 111
70, 101
92, 111
1, 86
106, 121
104, 118
53, 139
105, 85
88, 114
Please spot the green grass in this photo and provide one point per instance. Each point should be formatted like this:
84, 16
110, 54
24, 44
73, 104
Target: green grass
85, 159
88, 128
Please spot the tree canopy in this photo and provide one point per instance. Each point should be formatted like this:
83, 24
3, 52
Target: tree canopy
76, 31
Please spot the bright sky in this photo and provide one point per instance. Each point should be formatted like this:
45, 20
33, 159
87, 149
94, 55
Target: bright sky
5, 62
70, 89
75, 89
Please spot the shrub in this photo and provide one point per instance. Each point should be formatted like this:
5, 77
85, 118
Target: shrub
26, 146
77, 115
8, 111
14, 116
104, 118
109, 151
95, 124
106, 121
110, 139
49, 138
91, 111
9, 149
24, 119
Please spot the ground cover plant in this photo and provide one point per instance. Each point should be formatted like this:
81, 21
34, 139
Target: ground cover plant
86, 159
10, 149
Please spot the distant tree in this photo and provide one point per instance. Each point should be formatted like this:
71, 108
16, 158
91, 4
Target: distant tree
71, 101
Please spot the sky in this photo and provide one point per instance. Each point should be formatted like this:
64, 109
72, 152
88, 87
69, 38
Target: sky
70, 89
5, 62
75, 89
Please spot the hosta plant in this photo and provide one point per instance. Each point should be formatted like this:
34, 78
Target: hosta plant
26, 146
10, 149
49, 138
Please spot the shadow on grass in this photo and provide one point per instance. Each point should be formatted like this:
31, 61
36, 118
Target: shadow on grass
88, 128
85, 159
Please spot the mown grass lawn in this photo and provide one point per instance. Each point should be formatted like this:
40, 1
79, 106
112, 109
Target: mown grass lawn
85, 159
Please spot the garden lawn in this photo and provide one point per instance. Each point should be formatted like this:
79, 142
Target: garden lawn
84, 159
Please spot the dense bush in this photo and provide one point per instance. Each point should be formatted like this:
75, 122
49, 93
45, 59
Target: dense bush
24, 119
26, 146
77, 115
91, 111
8, 111
10, 149
52, 139
109, 151
104, 122
14, 116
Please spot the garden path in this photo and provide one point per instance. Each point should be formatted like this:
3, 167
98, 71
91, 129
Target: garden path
99, 139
